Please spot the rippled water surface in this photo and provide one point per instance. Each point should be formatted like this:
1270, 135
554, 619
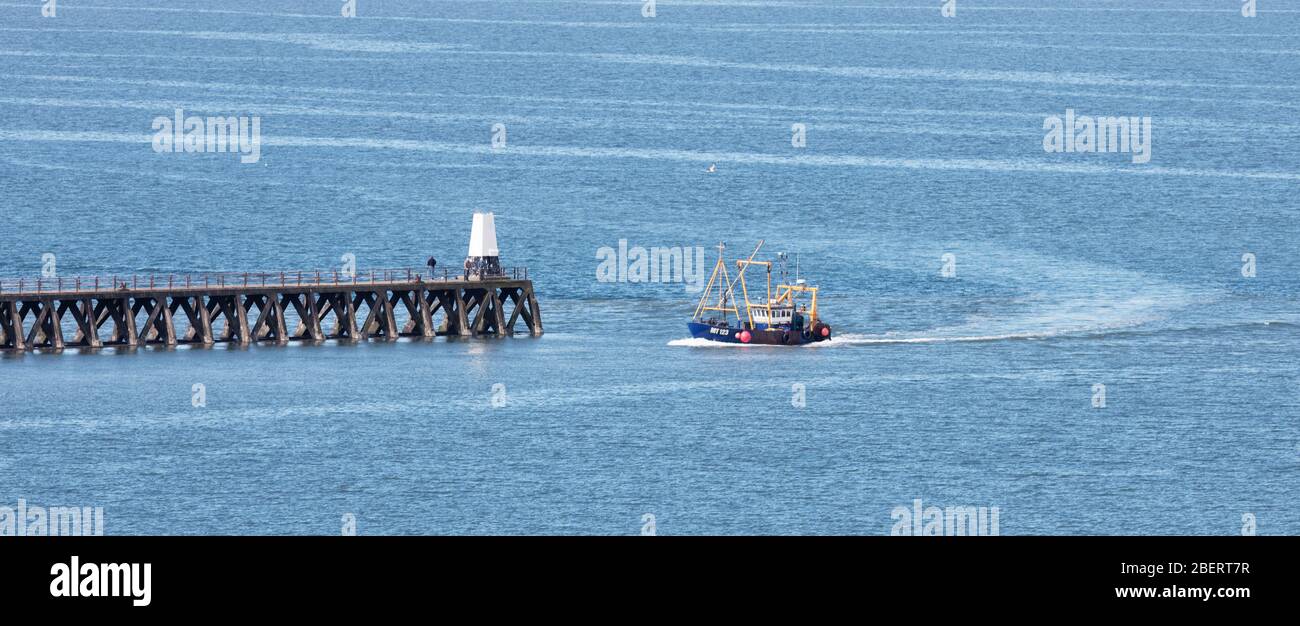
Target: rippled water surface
924, 138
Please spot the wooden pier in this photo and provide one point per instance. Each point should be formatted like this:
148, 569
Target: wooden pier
261, 307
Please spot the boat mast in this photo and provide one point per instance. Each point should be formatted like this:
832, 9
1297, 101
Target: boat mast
719, 269
740, 278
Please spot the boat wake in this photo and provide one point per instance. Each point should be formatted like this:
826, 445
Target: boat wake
888, 338
1074, 316
1004, 294
697, 342
855, 339
859, 339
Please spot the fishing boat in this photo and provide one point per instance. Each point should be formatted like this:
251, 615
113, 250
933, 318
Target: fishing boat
787, 316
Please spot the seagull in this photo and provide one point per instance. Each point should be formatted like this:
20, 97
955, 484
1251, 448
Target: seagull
713, 167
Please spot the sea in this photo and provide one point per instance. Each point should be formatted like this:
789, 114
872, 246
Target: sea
1091, 342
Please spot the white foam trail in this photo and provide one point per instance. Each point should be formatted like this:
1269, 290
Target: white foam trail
955, 336
278, 90
196, 107
1053, 298
241, 88
559, 102
317, 41
694, 108
861, 28
713, 4
664, 154
201, 57
1076, 46
922, 7
877, 125
1130, 96
859, 339
329, 41
323, 41
889, 73
698, 342
855, 339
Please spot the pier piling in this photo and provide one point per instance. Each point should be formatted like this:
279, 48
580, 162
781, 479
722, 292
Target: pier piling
206, 309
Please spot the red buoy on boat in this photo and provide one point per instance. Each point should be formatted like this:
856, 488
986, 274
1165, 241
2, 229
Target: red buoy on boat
744, 336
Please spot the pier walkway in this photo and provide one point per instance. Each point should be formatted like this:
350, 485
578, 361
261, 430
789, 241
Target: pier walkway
257, 307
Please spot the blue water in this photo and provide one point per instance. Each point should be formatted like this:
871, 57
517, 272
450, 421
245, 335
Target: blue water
924, 137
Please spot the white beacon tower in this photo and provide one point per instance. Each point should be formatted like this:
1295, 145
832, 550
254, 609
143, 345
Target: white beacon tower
484, 258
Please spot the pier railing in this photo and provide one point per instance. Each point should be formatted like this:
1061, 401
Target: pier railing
294, 278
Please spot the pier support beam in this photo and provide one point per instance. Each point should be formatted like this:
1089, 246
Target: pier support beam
349, 327
241, 320
204, 330
88, 336
406, 307
13, 327
498, 315
535, 320
462, 320
150, 331
426, 314
391, 331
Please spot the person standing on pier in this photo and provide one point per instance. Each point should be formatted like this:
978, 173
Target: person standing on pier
432, 263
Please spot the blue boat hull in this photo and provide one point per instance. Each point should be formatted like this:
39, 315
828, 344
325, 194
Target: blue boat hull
775, 336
